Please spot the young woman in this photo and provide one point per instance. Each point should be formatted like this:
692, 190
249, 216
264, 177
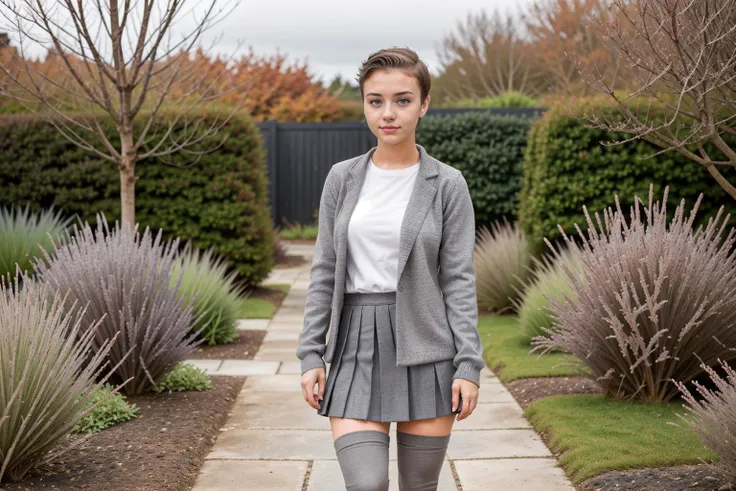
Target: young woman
393, 276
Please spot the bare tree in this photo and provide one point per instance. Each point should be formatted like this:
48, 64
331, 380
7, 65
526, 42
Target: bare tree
681, 57
487, 57
118, 59
560, 32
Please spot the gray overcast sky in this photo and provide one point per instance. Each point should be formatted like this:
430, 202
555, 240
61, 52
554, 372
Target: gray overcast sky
335, 36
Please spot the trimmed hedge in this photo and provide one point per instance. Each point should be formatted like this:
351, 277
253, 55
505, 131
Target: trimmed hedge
488, 150
565, 167
221, 201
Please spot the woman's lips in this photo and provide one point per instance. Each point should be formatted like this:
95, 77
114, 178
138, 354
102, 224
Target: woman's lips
389, 129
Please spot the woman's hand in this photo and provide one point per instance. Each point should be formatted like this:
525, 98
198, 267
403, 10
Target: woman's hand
469, 392
309, 378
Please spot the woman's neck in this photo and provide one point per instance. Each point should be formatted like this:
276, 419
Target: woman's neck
396, 156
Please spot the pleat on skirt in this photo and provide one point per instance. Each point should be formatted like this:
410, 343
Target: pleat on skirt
364, 382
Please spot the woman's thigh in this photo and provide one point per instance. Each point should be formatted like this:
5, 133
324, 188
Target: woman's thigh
341, 426
428, 427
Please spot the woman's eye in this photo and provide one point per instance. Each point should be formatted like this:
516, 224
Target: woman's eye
406, 100
374, 100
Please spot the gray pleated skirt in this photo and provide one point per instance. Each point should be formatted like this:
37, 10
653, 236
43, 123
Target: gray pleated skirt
364, 382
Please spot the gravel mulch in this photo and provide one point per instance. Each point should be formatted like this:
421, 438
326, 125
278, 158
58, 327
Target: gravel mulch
161, 450
679, 478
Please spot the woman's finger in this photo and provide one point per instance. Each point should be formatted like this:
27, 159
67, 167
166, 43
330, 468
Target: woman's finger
455, 396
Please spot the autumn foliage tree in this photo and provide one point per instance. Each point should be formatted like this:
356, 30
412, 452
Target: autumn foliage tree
563, 36
486, 56
277, 89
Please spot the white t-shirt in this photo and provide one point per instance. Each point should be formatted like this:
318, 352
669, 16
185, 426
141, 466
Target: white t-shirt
374, 228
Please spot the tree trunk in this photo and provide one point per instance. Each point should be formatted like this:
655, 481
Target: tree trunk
127, 178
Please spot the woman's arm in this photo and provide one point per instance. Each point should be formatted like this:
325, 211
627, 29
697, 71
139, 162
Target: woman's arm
311, 346
457, 281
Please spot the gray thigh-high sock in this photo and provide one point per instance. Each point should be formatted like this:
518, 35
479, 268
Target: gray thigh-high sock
363, 459
420, 460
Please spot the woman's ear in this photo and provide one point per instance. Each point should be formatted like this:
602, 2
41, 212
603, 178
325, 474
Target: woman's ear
425, 106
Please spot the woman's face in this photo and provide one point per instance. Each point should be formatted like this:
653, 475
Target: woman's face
392, 105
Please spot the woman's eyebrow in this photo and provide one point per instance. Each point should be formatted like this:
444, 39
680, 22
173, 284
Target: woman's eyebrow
403, 92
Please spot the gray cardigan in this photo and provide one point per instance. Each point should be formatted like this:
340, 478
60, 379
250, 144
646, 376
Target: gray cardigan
436, 304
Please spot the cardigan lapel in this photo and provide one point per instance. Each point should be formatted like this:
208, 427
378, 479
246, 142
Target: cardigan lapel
419, 202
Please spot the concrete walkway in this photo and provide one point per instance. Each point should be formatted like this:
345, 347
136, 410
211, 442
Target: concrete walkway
274, 441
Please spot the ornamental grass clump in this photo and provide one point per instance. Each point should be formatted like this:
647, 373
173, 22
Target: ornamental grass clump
653, 300
548, 280
23, 234
127, 277
215, 297
502, 262
715, 417
47, 378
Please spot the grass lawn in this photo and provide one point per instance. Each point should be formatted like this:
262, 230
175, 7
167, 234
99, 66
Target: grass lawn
505, 346
596, 434
298, 231
257, 308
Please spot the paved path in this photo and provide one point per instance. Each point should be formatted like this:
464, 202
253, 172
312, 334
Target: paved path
274, 441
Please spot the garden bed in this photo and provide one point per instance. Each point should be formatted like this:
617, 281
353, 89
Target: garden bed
672, 478
612, 437
162, 449
243, 348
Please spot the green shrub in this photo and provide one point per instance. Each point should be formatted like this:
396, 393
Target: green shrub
488, 150
501, 266
111, 410
48, 379
506, 100
184, 378
217, 299
549, 280
657, 299
23, 234
566, 167
125, 276
219, 201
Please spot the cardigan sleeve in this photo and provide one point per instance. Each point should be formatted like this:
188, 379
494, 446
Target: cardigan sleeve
457, 280
317, 308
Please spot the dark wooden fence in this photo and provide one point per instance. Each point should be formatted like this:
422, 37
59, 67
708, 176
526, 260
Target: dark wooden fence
300, 155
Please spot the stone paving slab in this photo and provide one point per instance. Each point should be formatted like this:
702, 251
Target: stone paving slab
295, 327
285, 335
288, 318
277, 415
290, 368
252, 324
274, 383
522, 474
247, 367
496, 444
494, 393
274, 444
326, 476
493, 417
273, 344
280, 355
251, 475
209, 366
